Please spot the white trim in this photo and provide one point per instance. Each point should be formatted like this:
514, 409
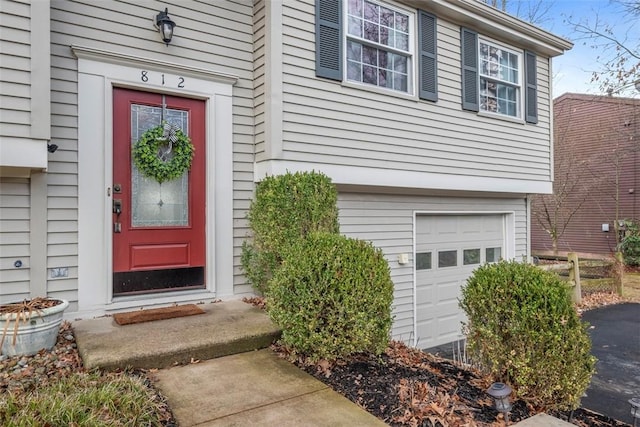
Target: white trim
358, 175
509, 242
23, 153
98, 73
273, 91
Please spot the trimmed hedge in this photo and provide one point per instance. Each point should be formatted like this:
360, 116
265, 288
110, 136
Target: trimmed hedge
332, 297
523, 328
286, 208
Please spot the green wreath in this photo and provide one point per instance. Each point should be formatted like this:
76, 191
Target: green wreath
149, 159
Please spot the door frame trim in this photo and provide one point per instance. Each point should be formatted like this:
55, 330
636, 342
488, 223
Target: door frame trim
98, 72
509, 224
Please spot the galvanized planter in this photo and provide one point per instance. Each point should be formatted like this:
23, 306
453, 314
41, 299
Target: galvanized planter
34, 333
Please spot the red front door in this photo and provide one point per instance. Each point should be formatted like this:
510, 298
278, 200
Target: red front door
158, 228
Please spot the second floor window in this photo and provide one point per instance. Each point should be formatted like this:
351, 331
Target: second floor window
500, 79
379, 47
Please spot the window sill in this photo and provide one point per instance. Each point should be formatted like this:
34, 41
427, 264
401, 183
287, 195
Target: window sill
379, 91
516, 120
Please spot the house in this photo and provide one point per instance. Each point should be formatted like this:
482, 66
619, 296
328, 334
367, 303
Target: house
597, 175
433, 118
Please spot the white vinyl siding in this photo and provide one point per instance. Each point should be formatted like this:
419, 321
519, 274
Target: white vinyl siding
14, 238
211, 35
387, 221
336, 124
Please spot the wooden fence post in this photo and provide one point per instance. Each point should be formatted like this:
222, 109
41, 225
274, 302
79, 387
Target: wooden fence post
618, 273
574, 277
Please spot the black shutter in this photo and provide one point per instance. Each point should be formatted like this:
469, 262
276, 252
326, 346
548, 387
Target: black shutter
531, 90
469, 45
428, 64
329, 39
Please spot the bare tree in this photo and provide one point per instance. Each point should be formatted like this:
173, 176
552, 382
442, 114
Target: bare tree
536, 12
554, 212
618, 49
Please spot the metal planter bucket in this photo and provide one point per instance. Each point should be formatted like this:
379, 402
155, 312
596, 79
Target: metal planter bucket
38, 332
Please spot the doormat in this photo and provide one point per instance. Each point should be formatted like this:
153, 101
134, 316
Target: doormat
152, 314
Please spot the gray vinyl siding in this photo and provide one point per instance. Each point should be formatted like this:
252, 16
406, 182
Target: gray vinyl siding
387, 222
213, 35
15, 68
14, 235
259, 65
335, 123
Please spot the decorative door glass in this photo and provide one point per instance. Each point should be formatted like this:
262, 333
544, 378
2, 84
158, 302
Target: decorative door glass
155, 204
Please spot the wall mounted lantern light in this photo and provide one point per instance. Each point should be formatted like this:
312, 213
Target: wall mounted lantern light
165, 26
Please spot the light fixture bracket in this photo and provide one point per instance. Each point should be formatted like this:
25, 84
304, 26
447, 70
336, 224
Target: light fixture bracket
165, 26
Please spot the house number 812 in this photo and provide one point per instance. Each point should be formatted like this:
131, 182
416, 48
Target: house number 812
145, 76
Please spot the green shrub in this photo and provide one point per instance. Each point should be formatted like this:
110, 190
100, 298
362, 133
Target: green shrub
523, 328
332, 297
630, 248
286, 208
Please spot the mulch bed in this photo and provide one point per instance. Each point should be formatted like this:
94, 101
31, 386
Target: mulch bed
407, 387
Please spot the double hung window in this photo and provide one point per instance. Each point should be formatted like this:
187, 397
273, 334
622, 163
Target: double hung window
379, 45
373, 43
499, 79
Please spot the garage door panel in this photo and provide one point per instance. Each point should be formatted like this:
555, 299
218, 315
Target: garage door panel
457, 244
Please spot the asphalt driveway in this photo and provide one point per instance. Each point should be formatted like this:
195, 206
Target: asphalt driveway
615, 335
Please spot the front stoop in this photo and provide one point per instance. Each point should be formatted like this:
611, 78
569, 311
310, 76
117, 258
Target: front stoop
226, 328
543, 420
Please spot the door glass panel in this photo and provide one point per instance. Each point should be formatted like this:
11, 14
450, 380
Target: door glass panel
423, 261
154, 204
493, 254
471, 256
447, 259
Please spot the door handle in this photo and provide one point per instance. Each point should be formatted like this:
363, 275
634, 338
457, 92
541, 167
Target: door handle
117, 206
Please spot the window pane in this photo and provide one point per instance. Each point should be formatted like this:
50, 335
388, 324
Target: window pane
493, 254
402, 22
355, 7
354, 51
400, 63
386, 17
355, 26
369, 55
371, 32
384, 36
400, 82
423, 261
402, 41
447, 259
354, 71
369, 75
371, 12
155, 204
471, 256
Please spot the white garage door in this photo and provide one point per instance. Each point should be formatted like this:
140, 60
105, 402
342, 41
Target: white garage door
448, 249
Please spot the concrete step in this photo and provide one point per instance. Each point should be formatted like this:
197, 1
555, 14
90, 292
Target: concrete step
226, 328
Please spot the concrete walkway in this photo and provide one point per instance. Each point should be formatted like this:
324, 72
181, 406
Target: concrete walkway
255, 388
234, 382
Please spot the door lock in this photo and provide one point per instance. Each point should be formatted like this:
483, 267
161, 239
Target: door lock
117, 206
117, 227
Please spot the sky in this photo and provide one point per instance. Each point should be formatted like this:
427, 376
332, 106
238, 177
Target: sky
573, 70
